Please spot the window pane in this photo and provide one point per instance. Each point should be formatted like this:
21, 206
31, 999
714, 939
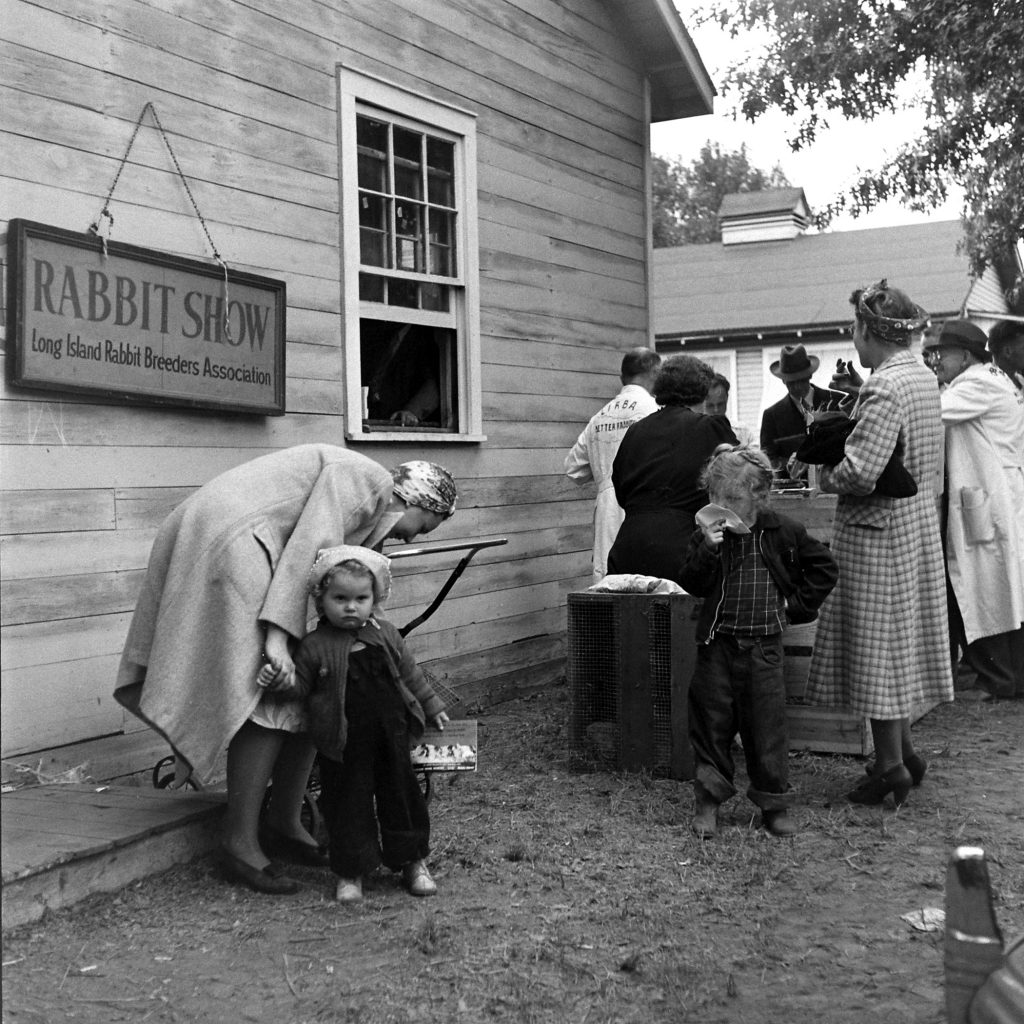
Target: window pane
408, 375
435, 297
441, 261
372, 288
374, 250
403, 293
441, 251
409, 236
372, 144
440, 172
408, 163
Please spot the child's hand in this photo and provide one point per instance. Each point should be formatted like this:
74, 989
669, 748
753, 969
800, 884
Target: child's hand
276, 676
440, 720
714, 534
267, 675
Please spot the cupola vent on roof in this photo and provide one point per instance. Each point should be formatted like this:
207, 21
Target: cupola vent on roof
770, 215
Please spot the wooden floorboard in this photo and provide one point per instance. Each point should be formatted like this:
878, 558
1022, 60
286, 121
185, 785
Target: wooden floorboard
61, 843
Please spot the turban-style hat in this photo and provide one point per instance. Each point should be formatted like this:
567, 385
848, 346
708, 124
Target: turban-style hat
895, 330
427, 485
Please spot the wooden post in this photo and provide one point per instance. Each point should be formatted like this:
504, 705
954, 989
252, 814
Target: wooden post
974, 944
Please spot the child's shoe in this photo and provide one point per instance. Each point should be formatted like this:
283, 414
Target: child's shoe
779, 823
705, 820
417, 879
350, 890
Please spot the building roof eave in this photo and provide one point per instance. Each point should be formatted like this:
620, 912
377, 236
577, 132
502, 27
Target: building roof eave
680, 83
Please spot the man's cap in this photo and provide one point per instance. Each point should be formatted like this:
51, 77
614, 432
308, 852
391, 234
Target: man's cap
959, 334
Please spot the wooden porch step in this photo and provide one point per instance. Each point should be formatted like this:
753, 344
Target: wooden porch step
62, 843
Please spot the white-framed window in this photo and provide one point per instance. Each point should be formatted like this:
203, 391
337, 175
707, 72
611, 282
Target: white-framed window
410, 277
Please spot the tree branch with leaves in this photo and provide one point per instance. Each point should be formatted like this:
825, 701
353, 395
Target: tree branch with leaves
686, 198
854, 58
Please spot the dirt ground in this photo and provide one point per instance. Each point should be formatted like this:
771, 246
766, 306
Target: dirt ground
568, 896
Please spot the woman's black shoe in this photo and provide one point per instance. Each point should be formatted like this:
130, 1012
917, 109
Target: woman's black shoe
261, 879
915, 764
875, 788
294, 851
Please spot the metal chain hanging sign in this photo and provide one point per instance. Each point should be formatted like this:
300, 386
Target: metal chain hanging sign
88, 314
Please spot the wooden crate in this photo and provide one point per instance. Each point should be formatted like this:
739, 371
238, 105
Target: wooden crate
827, 730
814, 509
797, 646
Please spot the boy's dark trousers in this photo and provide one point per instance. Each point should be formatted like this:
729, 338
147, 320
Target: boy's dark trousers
738, 686
375, 769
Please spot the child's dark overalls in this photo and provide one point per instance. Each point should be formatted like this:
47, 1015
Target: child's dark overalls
375, 767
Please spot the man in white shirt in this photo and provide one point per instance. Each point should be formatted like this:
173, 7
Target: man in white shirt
592, 456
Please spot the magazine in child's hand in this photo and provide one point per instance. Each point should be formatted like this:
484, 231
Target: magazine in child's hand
711, 514
452, 749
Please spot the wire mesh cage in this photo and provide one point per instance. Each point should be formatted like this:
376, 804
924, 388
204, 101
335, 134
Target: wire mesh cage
630, 658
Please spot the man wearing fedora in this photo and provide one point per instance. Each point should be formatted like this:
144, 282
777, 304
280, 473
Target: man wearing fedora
983, 414
785, 423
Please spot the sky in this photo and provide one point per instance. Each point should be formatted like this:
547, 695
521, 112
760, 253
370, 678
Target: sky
822, 170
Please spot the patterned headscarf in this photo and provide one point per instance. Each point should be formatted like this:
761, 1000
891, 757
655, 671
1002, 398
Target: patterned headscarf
328, 558
895, 330
427, 485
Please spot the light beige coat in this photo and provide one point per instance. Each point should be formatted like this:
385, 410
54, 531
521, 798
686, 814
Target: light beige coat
234, 556
983, 414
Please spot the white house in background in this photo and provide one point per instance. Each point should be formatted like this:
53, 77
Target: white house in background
769, 283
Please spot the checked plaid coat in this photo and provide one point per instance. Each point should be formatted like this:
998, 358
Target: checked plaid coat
883, 639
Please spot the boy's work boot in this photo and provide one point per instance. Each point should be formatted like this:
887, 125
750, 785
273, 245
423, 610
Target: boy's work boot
779, 823
705, 818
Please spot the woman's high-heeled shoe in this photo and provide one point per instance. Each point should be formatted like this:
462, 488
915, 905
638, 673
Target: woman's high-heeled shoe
875, 788
915, 764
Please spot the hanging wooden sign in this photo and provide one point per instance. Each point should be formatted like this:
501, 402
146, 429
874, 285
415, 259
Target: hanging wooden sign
142, 325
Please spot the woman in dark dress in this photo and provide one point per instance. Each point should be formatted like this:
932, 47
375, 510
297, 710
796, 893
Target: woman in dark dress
656, 470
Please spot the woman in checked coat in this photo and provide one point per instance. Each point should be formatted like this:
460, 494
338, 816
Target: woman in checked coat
883, 642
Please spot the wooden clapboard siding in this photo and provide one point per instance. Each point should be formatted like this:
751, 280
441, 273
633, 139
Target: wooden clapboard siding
464, 670
749, 385
577, 340
154, 466
513, 379
246, 92
26, 512
97, 593
53, 555
56, 641
81, 689
533, 408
